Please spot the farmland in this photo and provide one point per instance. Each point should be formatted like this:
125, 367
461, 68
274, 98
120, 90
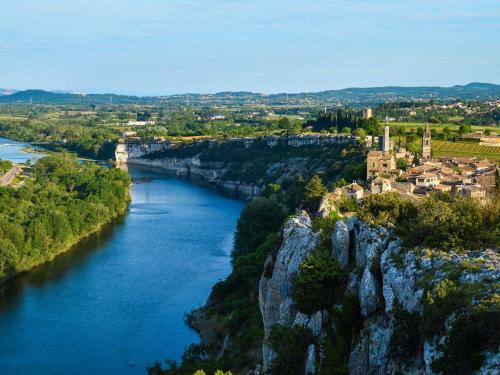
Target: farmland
445, 148
451, 126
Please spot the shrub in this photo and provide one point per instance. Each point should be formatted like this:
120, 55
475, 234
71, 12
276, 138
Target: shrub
319, 282
325, 225
347, 205
290, 346
405, 341
471, 335
337, 347
445, 298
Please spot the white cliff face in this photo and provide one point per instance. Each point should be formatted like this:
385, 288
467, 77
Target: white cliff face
275, 290
211, 172
126, 152
385, 275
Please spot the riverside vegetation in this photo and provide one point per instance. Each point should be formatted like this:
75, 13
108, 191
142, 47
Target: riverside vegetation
61, 202
456, 315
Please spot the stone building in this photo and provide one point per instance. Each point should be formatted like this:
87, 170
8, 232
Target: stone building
367, 113
380, 185
353, 191
379, 162
384, 141
426, 143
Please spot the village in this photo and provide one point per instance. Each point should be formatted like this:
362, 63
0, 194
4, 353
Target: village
421, 175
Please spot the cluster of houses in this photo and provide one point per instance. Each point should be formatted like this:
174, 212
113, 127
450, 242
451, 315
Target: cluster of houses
470, 177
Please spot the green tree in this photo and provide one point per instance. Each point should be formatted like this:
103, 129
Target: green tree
314, 192
319, 282
259, 218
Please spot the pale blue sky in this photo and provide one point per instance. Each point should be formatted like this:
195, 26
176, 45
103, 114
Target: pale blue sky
178, 46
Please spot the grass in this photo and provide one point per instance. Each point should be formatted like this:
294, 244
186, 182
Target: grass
445, 148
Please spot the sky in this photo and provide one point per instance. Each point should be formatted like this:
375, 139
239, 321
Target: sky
160, 47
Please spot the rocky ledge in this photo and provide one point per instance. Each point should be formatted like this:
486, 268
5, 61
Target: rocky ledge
390, 283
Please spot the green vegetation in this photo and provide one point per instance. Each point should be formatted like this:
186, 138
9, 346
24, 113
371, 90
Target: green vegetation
472, 333
259, 218
468, 149
64, 201
84, 137
313, 193
405, 341
261, 164
5, 165
337, 347
444, 222
290, 346
319, 283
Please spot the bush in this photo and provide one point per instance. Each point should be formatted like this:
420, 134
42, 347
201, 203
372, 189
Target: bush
319, 282
337, 348
439, 221
381, 209
405, 341
471, 335
290, 346
444, 299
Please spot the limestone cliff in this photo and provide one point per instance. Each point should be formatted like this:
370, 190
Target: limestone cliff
246, 166
390, 283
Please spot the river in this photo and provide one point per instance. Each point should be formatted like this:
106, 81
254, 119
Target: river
115, 303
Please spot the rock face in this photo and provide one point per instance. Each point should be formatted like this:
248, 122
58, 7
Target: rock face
275, 290
210, 172
341, 243
385, 277
237, 175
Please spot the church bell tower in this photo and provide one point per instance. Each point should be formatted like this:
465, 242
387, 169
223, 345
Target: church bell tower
426, 143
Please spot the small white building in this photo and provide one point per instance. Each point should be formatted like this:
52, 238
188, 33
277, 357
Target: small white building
380, 185
140, 123
426, 180
353, 191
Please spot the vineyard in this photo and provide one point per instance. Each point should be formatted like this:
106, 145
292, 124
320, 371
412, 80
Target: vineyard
445, 148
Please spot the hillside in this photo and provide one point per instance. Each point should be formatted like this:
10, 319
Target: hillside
352, 96
389, 290
246, 167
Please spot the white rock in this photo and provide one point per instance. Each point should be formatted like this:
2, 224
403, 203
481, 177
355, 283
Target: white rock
341, 243
369, 293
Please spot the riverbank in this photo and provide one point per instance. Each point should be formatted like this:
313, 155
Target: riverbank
115, 303
63, 249
62, 202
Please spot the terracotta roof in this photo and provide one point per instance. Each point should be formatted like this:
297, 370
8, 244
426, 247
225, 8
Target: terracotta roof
441, 187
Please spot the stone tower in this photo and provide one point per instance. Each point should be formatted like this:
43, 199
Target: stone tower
384, 141
426, 143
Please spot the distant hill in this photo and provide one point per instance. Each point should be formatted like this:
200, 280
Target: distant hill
355, 96
61, 97
7, 91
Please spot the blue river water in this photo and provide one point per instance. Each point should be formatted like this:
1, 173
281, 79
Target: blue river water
115, 303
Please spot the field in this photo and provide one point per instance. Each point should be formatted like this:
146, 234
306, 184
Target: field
452, 127
445, 148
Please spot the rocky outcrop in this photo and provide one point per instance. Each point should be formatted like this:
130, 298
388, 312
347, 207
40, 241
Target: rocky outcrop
341, 243
386, 278
275, 289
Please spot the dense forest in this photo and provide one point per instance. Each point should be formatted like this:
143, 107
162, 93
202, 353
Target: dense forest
62, 201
